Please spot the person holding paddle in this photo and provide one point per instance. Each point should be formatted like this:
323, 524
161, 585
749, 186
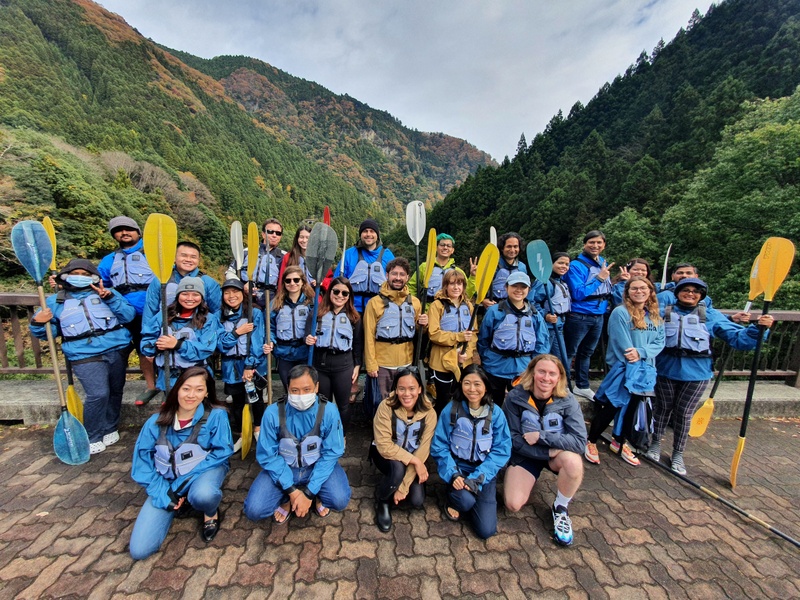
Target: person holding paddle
635, 337
291, 311
510, 245
555, 312
240, 362
181, 459
90, 319
191, 336
365, 264
339, 342
268, 263
127, 271
445, 246
684, 366
511, 334
296, 257
453, 343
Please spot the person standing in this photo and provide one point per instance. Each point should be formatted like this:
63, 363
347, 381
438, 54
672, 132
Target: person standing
366, 264
556, 311
444, 262
510, 245
267, 270
296, 257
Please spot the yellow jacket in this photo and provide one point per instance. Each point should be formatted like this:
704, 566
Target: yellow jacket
385, 354
444, 344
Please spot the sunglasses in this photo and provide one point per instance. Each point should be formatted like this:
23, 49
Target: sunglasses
292, 280
342, 293
273, 232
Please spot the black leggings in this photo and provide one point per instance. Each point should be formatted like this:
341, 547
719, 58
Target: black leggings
239, 397
394, 472
500, 386
604, 414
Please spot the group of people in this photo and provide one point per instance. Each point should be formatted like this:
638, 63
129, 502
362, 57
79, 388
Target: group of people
502, 395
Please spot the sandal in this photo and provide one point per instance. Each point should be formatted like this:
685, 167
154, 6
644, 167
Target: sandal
322, 511
446, 508
285, 514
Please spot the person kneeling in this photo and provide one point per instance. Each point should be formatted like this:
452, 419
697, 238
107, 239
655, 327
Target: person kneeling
181, 459
547, 431
299, 448
403, 427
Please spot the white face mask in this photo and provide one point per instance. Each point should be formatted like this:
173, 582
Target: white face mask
301, 401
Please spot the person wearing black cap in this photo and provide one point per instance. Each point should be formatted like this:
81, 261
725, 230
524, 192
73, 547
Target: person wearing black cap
365, 264
127, 271
684, 366
89, 318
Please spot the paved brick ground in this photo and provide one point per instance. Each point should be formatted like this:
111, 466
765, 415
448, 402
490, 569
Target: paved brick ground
639, 533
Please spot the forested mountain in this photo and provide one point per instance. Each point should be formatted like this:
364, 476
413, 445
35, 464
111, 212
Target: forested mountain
682, 148
130, 127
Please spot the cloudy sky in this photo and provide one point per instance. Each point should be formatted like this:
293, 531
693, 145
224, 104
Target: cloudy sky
485, 71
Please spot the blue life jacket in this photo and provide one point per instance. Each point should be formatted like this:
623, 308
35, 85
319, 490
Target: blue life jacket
367, 278
687, 335
498, 290
435, 282
81, 319
304, 452
470, 438
407, 435
175, 462
335, 332
397, 324
290, 323
267, 269
560, 299
515, 335
454, 319
240, 349
130, 272
532, 421
186, 333
605, 289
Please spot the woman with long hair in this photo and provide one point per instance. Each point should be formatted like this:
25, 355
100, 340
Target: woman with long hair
635, 267
403, 428
339, 346
296, 257
547, 432
291, 309
471, 444
181, 459
635, 338
192, 332
448, 328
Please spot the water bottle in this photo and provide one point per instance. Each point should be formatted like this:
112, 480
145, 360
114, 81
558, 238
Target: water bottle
252, 394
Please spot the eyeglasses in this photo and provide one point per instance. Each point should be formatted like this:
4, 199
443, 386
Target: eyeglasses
445, 245
689, 291
342, 293
273, 232
292, 280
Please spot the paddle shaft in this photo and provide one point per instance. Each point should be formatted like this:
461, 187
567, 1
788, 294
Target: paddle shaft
165, 331
52, 345
559, 334
751, 384
267, 339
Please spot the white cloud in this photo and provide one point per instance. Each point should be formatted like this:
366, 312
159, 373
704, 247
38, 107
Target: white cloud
482, 70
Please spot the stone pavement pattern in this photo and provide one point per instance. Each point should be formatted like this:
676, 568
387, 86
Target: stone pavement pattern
640, 533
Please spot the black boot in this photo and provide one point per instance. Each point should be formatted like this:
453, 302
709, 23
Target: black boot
383, 516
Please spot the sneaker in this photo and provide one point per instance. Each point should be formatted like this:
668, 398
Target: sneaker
228, 399
585, 392
591, 454
628, 456
677, 463
96, 447
654, 453
562, 526
110, 439
614, 447
238, 445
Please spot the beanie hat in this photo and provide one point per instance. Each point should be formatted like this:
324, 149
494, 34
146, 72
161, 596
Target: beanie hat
369, 224
125, 222
77, 263
191, 284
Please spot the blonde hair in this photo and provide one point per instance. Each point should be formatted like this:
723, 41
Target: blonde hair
651, 305
526, 379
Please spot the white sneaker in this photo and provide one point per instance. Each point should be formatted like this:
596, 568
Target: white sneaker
110, 439
585, 392
256, 434
228, 400
238, 445
96, 447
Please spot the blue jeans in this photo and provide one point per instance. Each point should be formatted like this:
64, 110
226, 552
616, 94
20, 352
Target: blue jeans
557, 344
581, 334
265, 497
152, 524
482, 508
102, 381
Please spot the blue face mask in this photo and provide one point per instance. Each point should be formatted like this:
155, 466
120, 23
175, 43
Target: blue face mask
80, 281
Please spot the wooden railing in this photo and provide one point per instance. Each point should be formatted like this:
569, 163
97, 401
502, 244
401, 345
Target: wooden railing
780, 358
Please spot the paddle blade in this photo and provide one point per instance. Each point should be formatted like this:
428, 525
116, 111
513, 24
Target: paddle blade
487, 265
539, 260
774, 262
252, 249
160, 241
344, 249
247, 430
415, 221
756, 287
74, 404
51, 233
430, 257
70, 440
326, 216
737, 456
664, 270
32, 247
702, 418
321, 250
493, 236
237, 246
